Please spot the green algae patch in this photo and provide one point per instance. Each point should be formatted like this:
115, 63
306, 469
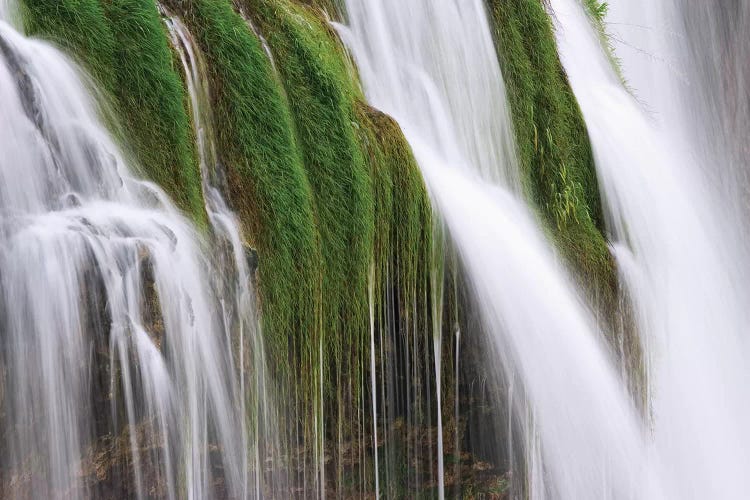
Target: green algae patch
124, 47
553, 146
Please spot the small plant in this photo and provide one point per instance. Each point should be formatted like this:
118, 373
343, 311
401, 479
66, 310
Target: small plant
598, 9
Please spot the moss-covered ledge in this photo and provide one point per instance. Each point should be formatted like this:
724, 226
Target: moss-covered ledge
557, 160
553, 145
268, 186
125, 48
321, 95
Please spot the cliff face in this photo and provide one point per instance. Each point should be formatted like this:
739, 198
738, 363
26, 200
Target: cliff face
328, 192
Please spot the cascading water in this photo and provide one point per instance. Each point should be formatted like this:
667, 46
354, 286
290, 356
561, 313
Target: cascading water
123, 348
131, 362
679, 259
432, 65
688, 62
224, 222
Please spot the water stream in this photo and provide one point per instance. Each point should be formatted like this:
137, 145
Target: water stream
124, 336
678, 253
432, 65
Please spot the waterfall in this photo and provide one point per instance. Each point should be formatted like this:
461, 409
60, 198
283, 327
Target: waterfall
132, 358
239, 286
7, 10
432, 65
687, 61
678, 252
128, 337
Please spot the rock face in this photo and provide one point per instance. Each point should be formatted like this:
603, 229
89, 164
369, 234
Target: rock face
331, 199
251, 254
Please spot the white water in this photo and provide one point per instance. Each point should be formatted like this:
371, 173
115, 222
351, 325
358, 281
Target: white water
82, 241
7, 10
432, 65
687, 61
682, 261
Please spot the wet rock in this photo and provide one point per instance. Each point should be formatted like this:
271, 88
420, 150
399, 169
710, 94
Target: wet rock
153, 321
72, 200
251, 257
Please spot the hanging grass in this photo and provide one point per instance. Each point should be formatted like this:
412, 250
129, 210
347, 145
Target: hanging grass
80, 28
151, 96
553, 145
321, 94
124, 47
267, 182
557, 160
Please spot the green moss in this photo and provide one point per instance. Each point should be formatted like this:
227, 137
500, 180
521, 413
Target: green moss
78, 26
321, 97
321, 94
151, 99
331, 8
124, 47
553, 145
403, 244
598, 10
268, 185
403, 238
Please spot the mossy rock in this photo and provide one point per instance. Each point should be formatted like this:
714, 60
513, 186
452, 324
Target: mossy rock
557, 161
553, 145
124, 47
268, 185
321, 94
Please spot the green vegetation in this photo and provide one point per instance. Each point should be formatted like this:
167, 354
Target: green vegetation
78, 26
403, 239
267, 182
327, 188
557, 161
553, 145
123, 45
361, 172
598, 10
321, 94
403, 251
151, 97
